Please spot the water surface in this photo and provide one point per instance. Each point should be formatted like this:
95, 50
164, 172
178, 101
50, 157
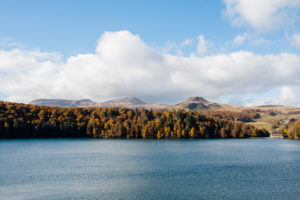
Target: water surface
149, 169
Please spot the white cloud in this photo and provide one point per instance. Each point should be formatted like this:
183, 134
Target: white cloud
172, 47
262, 15
202, 45
169, 47
287, 96
123, 65
186, 42
240, 39
8, 42
295, 39
249, 39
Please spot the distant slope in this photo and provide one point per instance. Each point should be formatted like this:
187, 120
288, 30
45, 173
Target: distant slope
63, 102
131, 102
275, 117
123, 102
128, 102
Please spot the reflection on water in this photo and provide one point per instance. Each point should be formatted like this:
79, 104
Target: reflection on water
289, 145
149, 169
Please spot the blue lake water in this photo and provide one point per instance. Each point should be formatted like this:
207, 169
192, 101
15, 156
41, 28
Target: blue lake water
149, 169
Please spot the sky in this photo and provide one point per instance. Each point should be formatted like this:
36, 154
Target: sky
240, 52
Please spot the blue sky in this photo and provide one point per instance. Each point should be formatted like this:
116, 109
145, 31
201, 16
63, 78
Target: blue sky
72, 27
67, 29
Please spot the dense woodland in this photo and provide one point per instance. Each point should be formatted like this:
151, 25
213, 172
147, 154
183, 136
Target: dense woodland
243, 116
248, 115
30, 121
292, 130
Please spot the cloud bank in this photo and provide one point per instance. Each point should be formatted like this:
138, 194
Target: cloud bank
123, 65
262, 15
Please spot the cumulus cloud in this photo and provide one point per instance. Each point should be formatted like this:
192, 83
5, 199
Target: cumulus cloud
123, 65
287, 96
263, 15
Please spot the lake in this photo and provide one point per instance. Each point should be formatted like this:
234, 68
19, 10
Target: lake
149, 169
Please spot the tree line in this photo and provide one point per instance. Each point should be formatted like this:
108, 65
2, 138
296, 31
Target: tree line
243, 116
292, 130
31, 121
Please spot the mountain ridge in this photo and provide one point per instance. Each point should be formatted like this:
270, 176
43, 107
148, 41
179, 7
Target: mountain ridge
195, 103
130, 102
61, 102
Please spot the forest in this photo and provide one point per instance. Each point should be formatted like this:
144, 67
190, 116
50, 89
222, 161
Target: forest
292, 130
243, 116
31, 121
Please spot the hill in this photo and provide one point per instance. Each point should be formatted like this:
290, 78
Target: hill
197, 104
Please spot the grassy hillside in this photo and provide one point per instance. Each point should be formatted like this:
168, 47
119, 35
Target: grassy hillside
273, 118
